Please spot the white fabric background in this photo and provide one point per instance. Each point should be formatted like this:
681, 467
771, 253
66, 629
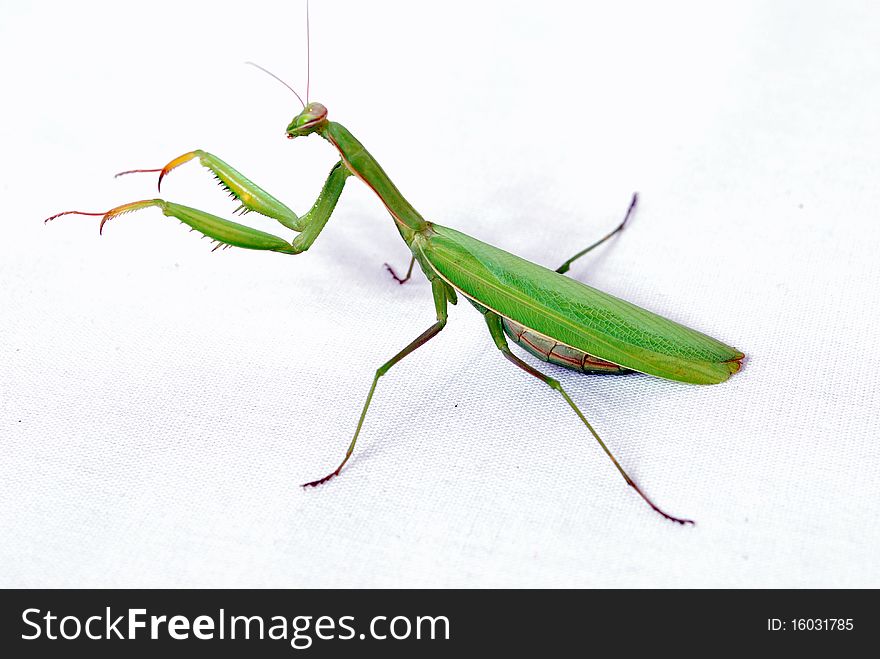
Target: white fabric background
160, 403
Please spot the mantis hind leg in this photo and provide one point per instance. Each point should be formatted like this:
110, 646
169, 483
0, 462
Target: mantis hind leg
561, 269
497, 331
440, 298
632, 205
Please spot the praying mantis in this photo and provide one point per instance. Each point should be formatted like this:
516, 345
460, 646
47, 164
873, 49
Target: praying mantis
551, 316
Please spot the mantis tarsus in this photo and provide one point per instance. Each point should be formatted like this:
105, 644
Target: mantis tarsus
555, 318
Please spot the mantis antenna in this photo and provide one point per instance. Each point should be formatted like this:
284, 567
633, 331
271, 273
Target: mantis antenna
308, 53
267, 71
308, 64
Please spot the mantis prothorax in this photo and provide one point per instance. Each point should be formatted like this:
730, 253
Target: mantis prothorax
555, 318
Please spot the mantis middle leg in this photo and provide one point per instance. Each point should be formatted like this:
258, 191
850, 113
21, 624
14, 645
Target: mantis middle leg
440, 299
561, 269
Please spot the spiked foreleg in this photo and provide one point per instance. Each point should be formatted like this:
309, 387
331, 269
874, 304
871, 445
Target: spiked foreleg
250, 196
227, 232
312, 223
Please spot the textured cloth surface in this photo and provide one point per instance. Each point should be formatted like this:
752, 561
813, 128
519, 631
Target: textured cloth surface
160, 404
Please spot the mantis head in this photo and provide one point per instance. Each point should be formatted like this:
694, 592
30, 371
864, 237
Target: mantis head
313, 117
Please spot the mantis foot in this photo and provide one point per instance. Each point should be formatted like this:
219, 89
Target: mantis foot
404, 279
398, 279
321, 481
680, 520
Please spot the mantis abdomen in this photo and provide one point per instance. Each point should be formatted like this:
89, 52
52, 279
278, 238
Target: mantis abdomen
552, 351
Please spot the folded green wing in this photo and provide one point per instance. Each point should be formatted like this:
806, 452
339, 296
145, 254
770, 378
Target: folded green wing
575, 314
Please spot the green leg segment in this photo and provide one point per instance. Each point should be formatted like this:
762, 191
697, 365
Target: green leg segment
253, 198
632, 205
497, 331
250, 195
439, 290
313, 222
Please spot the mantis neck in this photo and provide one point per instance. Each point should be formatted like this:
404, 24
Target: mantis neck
365, 167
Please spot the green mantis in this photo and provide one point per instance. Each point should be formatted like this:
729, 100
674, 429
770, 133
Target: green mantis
555, 318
